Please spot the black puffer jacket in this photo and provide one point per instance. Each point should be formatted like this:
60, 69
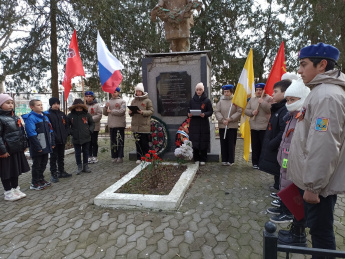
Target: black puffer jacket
60, 125
273, 136
12, 134
199, 128
81, 126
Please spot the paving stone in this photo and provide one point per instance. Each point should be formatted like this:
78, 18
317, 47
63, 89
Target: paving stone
196, 244
175, 242
172, 253
124, 250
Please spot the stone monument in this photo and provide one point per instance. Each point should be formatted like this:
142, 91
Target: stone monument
178, 19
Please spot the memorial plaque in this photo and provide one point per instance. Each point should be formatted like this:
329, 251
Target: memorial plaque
173, 93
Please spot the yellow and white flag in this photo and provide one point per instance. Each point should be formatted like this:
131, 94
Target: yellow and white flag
244, 90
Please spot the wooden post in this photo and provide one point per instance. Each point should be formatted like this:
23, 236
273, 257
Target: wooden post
82, 84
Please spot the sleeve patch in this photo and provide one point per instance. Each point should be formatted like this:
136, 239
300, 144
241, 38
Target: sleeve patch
321, 124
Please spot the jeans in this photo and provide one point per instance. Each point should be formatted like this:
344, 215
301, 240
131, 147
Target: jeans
117, 138
78, 150
57, 157
39, 164
93, 146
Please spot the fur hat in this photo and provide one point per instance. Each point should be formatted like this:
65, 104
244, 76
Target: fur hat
227, 87
200, 85
290, 76
320, 50
297, 89
139, 87
78, 103
53, 100
4, 98
260, 85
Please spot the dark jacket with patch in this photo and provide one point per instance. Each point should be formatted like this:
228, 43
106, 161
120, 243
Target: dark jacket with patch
12, 134
39, 132
81, 126
60, 125
273, 136
199, 128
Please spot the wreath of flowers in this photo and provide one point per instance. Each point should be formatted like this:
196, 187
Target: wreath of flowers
182, 133
160, 139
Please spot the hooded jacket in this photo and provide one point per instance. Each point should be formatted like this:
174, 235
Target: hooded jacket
81, 124
317, 152
96, 112
261, 119
60, 125
12, 134
39, 132
117, 114
199, 128
141, 123
222, 111
273, 136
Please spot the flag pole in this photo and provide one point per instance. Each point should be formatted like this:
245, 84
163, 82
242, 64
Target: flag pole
82, 85
262, 95
226, 127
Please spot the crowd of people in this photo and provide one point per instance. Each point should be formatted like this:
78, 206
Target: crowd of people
297, 135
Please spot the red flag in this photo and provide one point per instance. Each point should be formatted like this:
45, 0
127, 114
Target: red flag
74, 66
278, 69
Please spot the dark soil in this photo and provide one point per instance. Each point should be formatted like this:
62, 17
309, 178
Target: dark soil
166, 175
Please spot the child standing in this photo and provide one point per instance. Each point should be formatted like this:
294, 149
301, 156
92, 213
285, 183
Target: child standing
141, 121
274, 132
115, 109
96, 112
81, 128
227, 119
41, 139
199, 128
12, 146
60, 126
295, 96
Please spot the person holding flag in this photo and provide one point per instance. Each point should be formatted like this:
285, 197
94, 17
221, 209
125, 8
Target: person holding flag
259, 109
228, 116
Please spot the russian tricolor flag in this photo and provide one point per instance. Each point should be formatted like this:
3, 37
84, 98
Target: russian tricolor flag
108, 66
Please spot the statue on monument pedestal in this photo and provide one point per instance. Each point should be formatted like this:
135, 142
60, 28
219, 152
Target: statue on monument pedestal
178, 19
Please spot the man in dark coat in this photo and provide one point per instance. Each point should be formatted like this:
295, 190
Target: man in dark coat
60, 125
199, 128
274, 132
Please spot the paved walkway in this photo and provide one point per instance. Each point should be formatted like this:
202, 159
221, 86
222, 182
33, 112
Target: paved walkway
221, 216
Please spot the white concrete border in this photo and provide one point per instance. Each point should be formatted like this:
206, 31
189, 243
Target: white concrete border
109, 198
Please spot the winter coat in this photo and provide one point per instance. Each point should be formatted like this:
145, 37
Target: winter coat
141, 123
317, 151
40, 133
117, 116
12, 134
81, 126
96, 112
284, 148
199, 128
261, 119
222, 111
60, 125
268, 159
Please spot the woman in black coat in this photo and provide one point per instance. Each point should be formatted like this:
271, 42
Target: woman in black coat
199, 128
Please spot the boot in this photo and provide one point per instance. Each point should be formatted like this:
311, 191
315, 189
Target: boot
54, 178
296, 236
64, 174
86, 168
79, 169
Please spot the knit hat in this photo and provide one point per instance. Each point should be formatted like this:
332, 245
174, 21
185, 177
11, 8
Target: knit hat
227, 87
297, 89
4, 98
320, 50
290, 76
78, 103
139, 87
89, 93
200, 85
260, 85
53, 100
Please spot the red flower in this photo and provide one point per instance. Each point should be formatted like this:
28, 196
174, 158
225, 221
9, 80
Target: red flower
147, 155
142, 158
160, 134
155, 142
152, 152
153, 128
153, 135
178, 143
